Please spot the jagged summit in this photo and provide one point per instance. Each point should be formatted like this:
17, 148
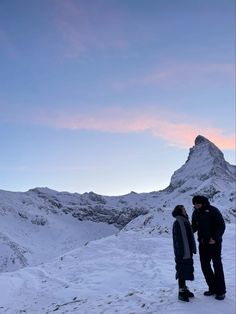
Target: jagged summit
201, 139
204, 143
204, 170
207, 144
204, 146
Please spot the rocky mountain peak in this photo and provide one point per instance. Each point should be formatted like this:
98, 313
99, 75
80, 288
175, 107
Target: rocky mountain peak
205, 164
204, 150
201, 139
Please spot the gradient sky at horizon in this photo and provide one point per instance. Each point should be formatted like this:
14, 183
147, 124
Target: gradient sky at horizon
109, 95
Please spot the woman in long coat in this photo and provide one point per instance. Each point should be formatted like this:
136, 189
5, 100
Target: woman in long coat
184, 248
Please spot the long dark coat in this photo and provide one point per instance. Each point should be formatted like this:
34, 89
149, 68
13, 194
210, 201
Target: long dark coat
184, 246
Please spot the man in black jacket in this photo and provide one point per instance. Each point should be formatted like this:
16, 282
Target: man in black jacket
209, 223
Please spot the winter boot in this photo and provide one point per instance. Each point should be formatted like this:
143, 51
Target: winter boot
183, 296
220, 297
209, 293
188, 292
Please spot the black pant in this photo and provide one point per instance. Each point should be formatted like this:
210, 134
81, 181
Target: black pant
214, 278
182, 283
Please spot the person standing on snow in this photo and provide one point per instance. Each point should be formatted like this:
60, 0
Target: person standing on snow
184, 248
209, 223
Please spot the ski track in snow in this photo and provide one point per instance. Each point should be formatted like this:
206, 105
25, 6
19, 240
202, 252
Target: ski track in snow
131, 273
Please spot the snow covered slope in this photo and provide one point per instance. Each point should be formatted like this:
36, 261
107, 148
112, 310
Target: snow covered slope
206, 173
65, 252
32, 231
132, 272
41, 224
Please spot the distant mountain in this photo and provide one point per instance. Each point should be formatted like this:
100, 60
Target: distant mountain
35, 227
205, 171
40, 224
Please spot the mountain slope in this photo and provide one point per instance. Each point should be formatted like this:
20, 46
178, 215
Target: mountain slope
205, 167
34, 231
66, 254
33, 224
205, 172
132, 272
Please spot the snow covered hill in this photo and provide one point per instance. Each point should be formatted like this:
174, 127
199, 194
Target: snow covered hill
205, 172
88, 253
32, 230
132, 272
41, 224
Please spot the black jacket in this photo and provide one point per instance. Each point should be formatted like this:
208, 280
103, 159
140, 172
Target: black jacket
184, 262
209, 223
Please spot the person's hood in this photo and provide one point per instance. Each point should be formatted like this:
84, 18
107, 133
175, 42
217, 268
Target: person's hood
177, 212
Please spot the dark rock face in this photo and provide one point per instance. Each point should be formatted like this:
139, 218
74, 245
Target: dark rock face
90, 206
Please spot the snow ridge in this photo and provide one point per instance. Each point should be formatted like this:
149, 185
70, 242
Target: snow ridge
42, 210
91, 254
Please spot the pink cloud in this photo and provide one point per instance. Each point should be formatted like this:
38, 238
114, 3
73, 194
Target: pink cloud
162, 124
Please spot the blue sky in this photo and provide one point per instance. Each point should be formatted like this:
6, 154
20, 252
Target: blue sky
108, 96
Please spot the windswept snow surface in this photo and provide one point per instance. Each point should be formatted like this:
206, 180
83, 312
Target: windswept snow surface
130, 272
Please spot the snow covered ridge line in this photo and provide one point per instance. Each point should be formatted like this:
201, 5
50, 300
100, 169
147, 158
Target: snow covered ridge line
204, 172
41, 223
37, 203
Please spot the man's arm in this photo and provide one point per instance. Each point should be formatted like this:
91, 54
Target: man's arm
194, 221
219, 224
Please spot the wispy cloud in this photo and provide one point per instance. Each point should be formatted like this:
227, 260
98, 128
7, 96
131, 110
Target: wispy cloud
166, 125
7, 45
177, 74
157, 121
88, 26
